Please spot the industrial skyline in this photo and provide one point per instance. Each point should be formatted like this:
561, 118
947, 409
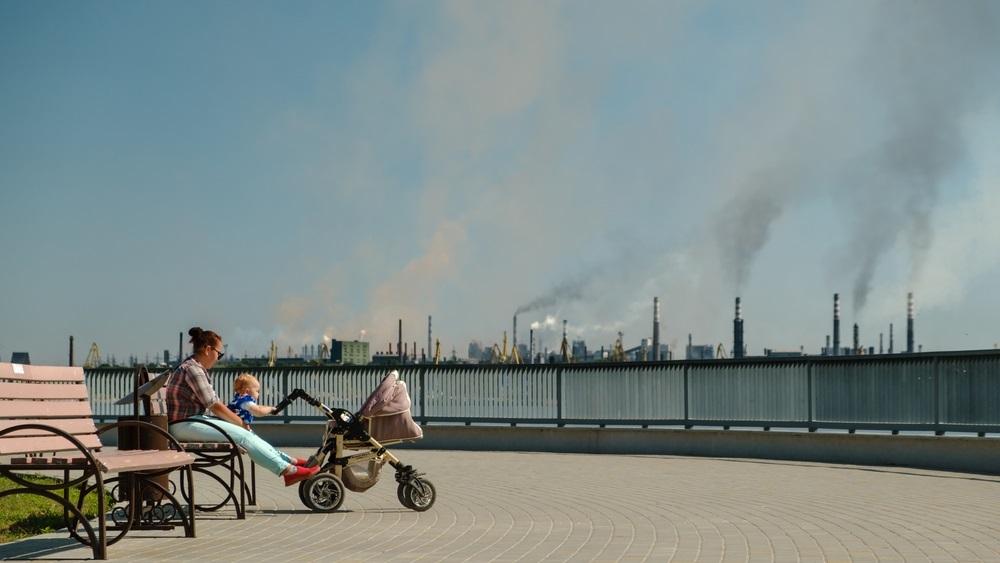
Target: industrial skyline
285, 174
645, 348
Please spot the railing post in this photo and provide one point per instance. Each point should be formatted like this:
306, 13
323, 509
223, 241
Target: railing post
423, 394
809, 395
687, 416
559, 397
284, 393
937, 397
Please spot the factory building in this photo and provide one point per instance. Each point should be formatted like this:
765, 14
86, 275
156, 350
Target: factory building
353, 353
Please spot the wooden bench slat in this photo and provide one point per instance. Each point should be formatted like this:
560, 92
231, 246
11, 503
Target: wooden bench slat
22, 408
41, 373
68, 425
35, 390
141, 460
33, 444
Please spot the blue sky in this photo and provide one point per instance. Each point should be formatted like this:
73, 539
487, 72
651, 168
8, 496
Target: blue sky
294, 171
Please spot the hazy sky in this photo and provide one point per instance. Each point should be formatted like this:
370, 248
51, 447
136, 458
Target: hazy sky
297, 170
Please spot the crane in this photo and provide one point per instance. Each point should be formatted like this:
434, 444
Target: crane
720, 352
437, 351
272, 357
93, 357
618, 352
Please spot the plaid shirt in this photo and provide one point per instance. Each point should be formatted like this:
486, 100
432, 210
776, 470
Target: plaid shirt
189, 391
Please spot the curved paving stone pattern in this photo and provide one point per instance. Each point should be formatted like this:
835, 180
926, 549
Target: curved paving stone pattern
571, 507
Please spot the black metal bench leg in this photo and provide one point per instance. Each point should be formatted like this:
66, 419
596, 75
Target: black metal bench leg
101, 545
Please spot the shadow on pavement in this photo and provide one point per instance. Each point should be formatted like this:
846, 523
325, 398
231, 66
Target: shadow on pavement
33, 548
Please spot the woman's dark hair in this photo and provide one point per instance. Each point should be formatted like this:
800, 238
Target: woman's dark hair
203, 338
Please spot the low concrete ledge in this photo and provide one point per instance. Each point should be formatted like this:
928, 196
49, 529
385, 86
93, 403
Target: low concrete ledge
974, 455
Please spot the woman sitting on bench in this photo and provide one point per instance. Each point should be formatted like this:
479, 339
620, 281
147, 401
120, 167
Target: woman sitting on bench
189, 395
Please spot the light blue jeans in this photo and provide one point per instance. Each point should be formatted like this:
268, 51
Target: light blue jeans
264, 454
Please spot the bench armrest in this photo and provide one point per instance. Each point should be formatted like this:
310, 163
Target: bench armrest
173, 441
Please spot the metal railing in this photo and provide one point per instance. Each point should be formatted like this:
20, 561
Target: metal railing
940, 392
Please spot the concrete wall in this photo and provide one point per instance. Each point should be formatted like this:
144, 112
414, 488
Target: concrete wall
975, 455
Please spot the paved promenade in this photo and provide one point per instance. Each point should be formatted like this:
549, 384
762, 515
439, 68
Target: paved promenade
570, 507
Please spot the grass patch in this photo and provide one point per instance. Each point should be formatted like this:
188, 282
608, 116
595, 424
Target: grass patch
26, 515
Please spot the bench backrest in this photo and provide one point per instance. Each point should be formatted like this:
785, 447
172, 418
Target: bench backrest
51, 395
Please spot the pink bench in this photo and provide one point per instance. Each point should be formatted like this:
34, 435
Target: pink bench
46, 424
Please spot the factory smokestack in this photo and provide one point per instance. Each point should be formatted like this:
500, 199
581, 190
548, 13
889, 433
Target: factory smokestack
531, 346
880, 349
656, 329
857, 338
70, 350
399, 343
429, 335
836, 324
180, 347
738, 331
909, 323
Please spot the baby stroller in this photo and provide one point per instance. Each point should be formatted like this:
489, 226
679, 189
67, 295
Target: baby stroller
384, 420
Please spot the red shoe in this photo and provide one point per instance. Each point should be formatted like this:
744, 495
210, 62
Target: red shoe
301, 474
299, 461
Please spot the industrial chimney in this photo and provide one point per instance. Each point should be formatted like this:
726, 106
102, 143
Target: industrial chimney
909, 323
531, 346
857, 338
738, 331
656, 329
429, 335
890, 338
399, 343
836, 324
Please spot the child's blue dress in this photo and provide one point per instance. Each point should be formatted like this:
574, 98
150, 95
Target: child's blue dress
239, 406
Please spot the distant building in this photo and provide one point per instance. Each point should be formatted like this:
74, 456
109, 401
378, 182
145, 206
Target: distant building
383, 359
700, 352
522, 349
783, 354
353, 353
579, 351
20, 358
476, 351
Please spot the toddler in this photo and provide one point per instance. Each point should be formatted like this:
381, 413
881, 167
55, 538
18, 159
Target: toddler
246, 389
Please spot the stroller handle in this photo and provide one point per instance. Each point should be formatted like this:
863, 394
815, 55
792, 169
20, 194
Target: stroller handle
341, 414
295, 394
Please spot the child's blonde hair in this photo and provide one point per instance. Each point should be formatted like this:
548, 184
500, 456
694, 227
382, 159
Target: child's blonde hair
243, 382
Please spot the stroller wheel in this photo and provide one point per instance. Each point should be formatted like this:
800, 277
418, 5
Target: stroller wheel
417, 494
323, 493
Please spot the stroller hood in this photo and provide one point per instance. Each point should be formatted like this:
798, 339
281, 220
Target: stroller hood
388, 408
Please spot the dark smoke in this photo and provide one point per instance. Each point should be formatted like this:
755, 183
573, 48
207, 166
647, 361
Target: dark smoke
744, 224
929, 64
566, 292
